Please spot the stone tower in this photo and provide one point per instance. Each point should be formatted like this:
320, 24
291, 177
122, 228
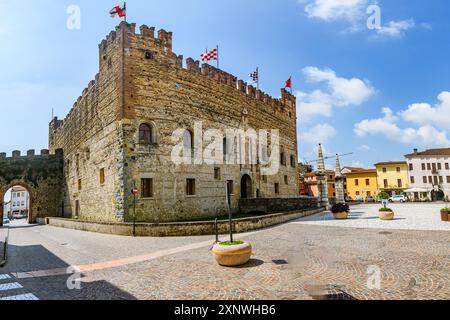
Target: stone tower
339, 182
322, 183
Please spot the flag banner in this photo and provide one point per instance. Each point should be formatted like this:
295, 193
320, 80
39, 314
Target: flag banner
118, 11
254, 76
288, 83
211, 55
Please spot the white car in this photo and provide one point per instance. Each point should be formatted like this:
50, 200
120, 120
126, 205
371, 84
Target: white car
398, 198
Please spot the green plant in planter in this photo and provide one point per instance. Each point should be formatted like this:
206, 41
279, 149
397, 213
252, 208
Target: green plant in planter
231, 243
445, 210
340, 207
385, 210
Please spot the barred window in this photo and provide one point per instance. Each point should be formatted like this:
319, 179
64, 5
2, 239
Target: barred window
147, 188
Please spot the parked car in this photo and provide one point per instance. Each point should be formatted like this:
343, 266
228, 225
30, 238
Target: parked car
5, 220
398, 198
359, 198
370, 199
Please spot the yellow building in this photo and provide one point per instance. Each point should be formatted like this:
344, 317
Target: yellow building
392, 177
362, 183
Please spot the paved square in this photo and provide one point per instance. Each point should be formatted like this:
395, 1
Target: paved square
304, 259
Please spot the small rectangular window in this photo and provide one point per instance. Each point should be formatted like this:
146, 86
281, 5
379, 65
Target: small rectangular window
217, 173
424, 179
367, 182
102, 176
79, 184
398, 169
277, 188
411, 167
286, 180
399, 183
147, 188
190, 187
384, 170
447, 167
230, 186
356, 182
448, 179
412, 179
441, 179
423, 167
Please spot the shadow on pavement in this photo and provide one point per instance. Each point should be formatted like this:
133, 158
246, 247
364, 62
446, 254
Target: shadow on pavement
26, 261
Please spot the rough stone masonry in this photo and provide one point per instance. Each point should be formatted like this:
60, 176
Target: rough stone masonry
118, 135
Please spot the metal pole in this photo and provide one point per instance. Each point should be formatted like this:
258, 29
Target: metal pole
134, 216
217, 231
229, 213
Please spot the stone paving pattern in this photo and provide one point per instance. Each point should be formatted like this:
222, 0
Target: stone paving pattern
292, 261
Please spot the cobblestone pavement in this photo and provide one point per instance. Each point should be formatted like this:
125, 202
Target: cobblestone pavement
292, 261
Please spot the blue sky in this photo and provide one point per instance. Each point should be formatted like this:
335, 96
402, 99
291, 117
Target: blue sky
378, 93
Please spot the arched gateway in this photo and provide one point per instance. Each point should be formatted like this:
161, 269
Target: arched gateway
41, 175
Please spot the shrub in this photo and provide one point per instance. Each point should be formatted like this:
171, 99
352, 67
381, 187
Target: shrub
340, 207
385, 210
383, 195
445, 210
229, 243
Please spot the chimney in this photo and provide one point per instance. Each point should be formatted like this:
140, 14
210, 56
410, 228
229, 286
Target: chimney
416, 151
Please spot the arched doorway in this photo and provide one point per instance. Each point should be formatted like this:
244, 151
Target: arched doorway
246, 187
16, 202
437, 195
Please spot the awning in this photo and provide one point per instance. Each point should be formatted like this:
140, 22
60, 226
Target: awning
413, 190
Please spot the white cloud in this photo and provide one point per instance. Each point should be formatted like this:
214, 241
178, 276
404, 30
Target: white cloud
340, 92
357, 164
314, 103
344, 91
396, 29
364, 147
425, 114
320, 133
332, 10
387, 125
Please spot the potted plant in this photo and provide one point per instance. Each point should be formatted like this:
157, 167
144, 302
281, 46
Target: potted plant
340, 211
445, 214
231, 253
386, 213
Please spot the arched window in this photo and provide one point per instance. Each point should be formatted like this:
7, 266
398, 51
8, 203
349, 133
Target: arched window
188, 142
145, 133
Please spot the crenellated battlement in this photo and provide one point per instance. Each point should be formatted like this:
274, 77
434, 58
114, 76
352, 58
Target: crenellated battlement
285, 104
30, 155
161, 41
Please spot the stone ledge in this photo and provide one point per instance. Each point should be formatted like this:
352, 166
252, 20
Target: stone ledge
173, 229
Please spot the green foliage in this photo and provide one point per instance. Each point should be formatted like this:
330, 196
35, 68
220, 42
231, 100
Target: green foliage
385, 210
383, 195
229, 243
445, 210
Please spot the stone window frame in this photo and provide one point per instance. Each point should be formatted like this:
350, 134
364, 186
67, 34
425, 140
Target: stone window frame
153, 133
190, 192
151, 195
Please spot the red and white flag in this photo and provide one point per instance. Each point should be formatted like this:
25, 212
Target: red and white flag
119, 11
210, 55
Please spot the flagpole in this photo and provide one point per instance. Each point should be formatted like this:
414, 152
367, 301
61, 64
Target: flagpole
125, 7
218, 57
257, 79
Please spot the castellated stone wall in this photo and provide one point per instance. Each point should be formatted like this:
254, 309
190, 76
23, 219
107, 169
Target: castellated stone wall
41, 175
141, 81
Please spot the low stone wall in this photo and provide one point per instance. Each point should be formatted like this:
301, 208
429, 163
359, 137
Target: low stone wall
273, 205
182, 228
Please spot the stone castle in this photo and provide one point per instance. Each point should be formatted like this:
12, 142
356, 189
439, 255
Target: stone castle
118, 135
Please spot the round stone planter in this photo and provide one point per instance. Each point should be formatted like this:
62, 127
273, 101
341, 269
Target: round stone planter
341, 215
445, 216
386, 215
231, 256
